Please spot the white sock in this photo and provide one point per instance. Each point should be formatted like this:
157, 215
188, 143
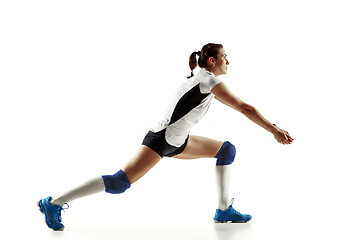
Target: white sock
222, 177
90, 187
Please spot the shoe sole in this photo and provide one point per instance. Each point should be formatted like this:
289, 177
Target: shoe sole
215, 221
42, 211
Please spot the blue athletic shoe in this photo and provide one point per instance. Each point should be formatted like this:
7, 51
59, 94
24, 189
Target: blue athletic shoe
230, 215
52, 214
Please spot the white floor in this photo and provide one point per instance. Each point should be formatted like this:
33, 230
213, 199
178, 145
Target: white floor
193, 230
159, 231
97, 222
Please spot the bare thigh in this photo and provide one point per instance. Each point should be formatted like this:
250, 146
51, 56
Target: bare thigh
200, 147
141, 163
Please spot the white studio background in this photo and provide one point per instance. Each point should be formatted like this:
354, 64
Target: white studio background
81, 82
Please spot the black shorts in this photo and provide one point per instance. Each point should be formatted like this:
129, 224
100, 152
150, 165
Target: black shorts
157, 142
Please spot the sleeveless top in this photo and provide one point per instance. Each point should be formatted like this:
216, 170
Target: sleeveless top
189, 105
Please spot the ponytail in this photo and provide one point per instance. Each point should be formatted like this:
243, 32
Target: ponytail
193, 62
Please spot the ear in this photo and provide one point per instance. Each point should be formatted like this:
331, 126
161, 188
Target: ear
211, 61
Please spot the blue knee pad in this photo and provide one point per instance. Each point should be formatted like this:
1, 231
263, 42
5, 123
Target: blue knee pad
226, 154
117, 183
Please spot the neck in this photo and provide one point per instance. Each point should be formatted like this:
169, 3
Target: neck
212, 70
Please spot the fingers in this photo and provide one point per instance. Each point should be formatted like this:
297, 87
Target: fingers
283, 137
289, 138
286, 139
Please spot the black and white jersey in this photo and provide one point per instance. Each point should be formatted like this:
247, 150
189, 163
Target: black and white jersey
189, 105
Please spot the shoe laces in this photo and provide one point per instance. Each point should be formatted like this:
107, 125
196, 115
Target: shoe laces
59, 210
233, 209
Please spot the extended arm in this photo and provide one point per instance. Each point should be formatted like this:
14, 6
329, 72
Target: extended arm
224, 95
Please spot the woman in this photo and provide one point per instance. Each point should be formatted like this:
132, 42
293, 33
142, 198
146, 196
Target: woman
170, 138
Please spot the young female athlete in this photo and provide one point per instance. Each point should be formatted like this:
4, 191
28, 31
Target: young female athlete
170, 138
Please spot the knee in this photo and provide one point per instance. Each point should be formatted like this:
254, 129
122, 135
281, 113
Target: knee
117, 183
226, 154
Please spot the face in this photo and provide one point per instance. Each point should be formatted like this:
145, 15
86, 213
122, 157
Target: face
219, 66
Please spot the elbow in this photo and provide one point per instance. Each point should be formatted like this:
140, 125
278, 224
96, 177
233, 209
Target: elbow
246, 109
238, 105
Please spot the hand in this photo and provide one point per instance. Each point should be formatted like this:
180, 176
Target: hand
283, 136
